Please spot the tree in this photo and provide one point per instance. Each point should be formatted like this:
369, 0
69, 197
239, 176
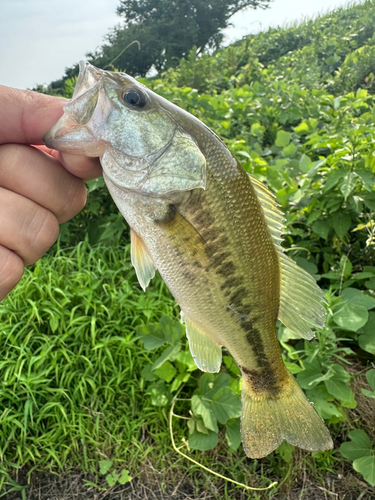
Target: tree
166, 31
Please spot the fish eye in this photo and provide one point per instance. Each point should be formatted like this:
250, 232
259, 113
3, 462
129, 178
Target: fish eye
134, 97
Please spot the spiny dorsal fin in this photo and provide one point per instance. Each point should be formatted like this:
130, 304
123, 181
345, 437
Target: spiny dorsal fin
141, 259
301, 299
205, 351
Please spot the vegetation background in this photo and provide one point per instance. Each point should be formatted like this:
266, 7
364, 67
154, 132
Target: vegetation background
90, 364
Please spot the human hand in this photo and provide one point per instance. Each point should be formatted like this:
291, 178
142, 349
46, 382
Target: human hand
39, 188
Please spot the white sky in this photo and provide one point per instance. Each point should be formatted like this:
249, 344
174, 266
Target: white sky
40, 38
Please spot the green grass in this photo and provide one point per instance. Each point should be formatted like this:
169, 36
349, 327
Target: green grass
70, 389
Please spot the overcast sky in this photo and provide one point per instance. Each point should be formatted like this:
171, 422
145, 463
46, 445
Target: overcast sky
40, 38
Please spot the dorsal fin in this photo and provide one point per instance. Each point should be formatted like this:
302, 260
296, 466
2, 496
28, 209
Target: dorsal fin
301, 299
141, 259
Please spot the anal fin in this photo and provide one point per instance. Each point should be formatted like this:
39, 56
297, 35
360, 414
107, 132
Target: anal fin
205, 351
141, 259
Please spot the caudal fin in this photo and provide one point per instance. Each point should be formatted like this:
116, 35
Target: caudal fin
267, 421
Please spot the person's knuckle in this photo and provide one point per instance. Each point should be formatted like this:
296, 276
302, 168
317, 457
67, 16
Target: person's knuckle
11, 268
74, 200
43, 231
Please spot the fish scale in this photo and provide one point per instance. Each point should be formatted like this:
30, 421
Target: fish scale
214, 234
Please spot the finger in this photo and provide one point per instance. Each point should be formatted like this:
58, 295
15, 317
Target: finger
38, 177
11, 270
81, 166
25, 227
27, 116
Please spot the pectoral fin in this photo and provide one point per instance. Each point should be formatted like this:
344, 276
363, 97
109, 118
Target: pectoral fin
205, 351
141, 260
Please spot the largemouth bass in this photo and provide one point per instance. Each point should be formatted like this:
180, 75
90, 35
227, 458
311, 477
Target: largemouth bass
213, 232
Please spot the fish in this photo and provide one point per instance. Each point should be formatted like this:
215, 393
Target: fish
214, 233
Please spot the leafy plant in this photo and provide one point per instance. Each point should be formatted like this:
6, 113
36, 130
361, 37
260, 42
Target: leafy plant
362, 453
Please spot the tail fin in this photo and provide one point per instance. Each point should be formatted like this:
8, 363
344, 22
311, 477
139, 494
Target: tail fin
267, 421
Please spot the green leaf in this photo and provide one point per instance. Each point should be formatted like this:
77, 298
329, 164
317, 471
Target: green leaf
173, 330
186, 359
311, 375
282, 138
351, 317
367, 179
104, 466
233, 433
148, 374
151, 335
366, 467
112, 478
339, 389
370, 375
341, 223
285, 450
166, 371
124, 478
321, 228
326, 409
225, 405
54, 323
366, 340
203, 442
347, 184
202, 408
179, 380
170, 353
359, 446
231, 365
355, 296
304, 163
159, 394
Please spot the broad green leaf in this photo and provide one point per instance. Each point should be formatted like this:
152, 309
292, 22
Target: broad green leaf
325, 408
225, 405
347, 184
112, 478
179, 380
170, 353
151, 335
367, 179
203, 442
148, 374
210, 384
173, 330
166, 371
332, 179
341, 223
366, 467
124, 477
202, 407
311, 375
351, 317
233, 433
369, 394
282, 138
339, 389
355, 296
104, 466
285, 450
366, 339
359, 446
159, 394
304, 163
370, 375
321, 228
231, 365
186, 358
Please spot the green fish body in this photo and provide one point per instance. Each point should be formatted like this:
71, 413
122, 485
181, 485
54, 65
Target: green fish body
213, 232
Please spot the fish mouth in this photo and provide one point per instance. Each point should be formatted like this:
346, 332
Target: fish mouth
72, 133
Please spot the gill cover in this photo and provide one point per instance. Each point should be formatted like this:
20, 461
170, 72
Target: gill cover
141, 149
